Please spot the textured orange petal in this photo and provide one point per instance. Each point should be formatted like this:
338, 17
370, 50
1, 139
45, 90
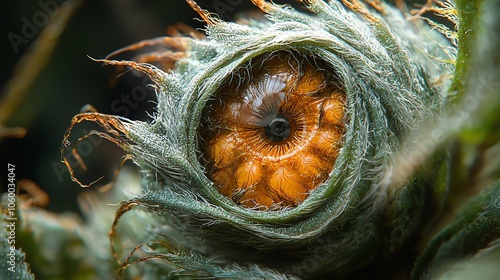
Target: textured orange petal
311, 82
311, 168
286, 185
225, 180
326, 143
248, 173
257, 197
223, 149
262, 198
333, 111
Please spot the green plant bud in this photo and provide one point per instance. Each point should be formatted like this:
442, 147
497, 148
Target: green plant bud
292, 147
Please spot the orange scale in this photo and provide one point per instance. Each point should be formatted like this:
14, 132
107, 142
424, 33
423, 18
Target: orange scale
256, 197
311, 168
286, 186
312, 81
247, 196
317, 100
224, 149
333, 110
325, 143
248, 173
225, 180
228, 114
263, 199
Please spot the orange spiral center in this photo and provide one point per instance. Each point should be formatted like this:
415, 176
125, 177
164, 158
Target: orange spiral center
273, 133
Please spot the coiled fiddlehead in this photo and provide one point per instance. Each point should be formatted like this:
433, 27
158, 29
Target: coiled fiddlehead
226, 156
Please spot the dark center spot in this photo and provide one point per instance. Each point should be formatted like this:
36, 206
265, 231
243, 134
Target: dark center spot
278, 129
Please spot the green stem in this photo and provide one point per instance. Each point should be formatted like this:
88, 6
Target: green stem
469, 28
